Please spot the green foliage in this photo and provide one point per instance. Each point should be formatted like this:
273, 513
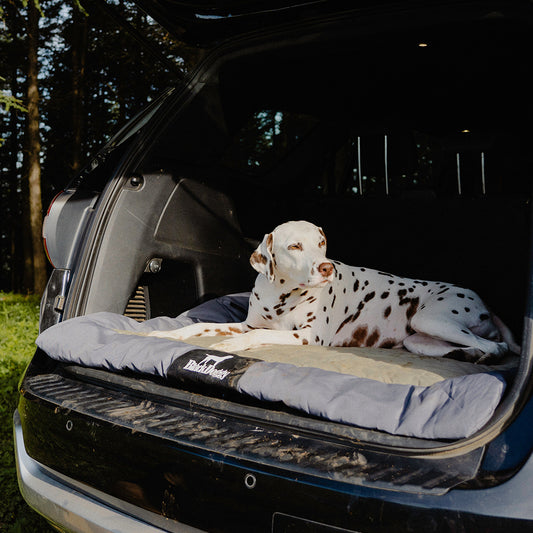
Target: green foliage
7, 101
19, 317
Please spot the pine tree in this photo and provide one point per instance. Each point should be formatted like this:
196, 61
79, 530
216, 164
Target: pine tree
32, 154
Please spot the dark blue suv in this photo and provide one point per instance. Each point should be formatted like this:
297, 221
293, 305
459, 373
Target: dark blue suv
401, 128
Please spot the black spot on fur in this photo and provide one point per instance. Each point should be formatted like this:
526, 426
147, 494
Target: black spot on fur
358, 336
340, 276
384, 295
372, 338
345, 309
460, 295
411, 310
483, 316
356, 285
333, 301
387, 343
467, 309
387, 312
284, 296
455, 312
344, 322
369, 296
444, 290
330, 290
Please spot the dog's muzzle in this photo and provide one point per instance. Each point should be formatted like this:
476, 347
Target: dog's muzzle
326, 269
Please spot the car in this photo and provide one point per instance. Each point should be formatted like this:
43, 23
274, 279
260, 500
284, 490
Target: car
403, 130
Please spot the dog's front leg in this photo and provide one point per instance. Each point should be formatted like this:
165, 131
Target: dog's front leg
258, 337
201, 329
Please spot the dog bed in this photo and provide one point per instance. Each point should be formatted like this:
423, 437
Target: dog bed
388, 390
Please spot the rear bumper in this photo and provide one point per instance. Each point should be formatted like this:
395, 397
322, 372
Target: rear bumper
69, 508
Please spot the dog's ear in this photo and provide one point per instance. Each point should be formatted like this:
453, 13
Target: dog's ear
324, 242
262, 259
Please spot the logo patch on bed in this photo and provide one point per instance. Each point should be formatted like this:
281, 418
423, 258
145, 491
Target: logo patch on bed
210, 367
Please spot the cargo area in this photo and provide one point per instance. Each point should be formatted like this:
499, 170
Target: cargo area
416, 166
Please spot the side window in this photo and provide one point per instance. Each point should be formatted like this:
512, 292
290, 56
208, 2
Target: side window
329, 158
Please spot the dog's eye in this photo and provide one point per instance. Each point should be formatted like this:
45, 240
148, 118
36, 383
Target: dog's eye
297, 246
322, 243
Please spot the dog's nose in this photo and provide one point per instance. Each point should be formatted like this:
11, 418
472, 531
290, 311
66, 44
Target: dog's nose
326, 269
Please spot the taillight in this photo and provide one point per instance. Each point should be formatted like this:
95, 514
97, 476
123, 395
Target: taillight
44, 226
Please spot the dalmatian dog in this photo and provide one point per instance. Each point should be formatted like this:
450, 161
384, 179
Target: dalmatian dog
301, 297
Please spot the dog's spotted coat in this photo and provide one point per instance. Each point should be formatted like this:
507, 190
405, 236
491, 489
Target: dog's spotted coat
300, 297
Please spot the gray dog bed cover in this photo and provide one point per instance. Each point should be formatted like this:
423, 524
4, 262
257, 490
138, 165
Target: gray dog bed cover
450, 408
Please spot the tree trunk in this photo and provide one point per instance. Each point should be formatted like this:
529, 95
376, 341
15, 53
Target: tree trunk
33, 149
15, 266
79, 53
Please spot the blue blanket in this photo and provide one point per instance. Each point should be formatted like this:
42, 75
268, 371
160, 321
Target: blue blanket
450, 409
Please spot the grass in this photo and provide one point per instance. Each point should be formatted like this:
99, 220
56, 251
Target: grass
19, 316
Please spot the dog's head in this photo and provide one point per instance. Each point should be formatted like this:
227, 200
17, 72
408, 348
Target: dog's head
294, 254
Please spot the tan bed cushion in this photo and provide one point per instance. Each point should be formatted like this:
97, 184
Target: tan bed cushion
387, 366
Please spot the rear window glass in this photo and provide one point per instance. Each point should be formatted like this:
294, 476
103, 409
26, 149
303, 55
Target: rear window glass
266, 138
444, 109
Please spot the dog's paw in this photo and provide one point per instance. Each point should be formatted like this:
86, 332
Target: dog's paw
174, 334
494, 356
199, 329
235, 344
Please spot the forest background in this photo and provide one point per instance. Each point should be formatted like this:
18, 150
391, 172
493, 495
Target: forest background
71, 73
